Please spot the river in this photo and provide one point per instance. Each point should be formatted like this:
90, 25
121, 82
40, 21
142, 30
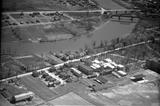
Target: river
107, 31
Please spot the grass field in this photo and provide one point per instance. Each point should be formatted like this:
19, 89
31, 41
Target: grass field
7, 35
29, 5
33, 5
69, 100
84, 14
38, 87
4, 102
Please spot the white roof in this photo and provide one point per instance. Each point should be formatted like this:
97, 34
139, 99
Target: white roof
96, 65
96, 61
24, 94
108, 65
113, 63
116, 74
122, 72
93, 67
76, 70
120, 65
142, 81
108, 60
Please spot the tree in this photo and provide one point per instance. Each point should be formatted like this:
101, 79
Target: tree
35, 74
106, 42
94, 44
101, 44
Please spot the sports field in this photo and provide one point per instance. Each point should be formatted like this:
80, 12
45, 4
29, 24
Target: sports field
38, 87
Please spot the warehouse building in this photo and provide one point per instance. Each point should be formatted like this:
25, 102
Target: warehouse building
76, 72
85, 69
24, 96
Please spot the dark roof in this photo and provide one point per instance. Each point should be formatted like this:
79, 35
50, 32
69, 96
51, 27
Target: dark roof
137, 79
100, 78
85, 69
57, 60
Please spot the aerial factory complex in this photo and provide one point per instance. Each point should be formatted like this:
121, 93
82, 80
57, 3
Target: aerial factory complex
80, 53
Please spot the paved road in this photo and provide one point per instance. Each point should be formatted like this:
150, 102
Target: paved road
41, 12
75, 60
13, 19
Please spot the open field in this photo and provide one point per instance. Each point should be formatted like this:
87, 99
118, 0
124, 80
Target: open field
50, 32
38, 87
30, 5
83, 14
146, 94
37, 17
7, 35
70, 99
9, 68
34, 5
4, 102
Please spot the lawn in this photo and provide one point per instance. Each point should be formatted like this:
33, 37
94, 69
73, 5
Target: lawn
38, 87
